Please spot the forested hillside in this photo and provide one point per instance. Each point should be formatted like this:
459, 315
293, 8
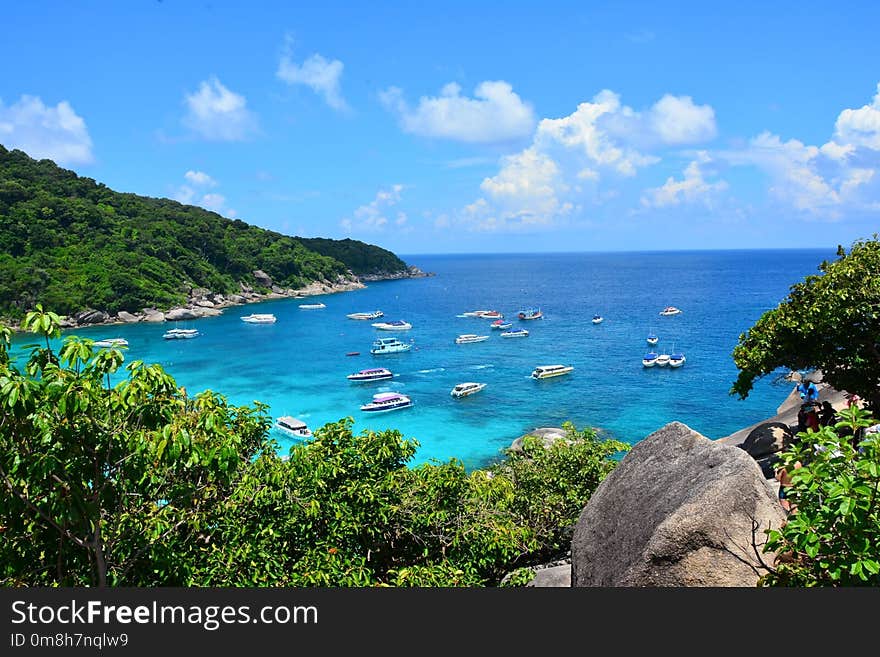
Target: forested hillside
70, 243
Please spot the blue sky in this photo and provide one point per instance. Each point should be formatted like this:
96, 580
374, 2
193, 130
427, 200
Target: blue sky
467, 126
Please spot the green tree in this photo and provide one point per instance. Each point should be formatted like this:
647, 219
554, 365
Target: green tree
830, 321
139, 484
832, 537
108, 485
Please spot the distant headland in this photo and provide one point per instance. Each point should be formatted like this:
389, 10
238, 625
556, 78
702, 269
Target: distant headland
95, 256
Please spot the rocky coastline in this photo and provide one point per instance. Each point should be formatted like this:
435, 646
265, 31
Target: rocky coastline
202, 302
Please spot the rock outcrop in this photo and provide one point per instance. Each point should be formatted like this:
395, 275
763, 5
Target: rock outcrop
679, 510
766, 439
262, 278
178, 314
552, 577
90, 317
127, 317
548, 435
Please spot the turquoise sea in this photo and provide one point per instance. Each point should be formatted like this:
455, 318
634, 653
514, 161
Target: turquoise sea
299, 364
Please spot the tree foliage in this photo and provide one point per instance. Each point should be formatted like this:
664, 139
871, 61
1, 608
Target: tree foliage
832, 538
830, 321
138, 484
71, 243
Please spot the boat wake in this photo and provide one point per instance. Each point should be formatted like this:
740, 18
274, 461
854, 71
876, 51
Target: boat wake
436, 369
480, 367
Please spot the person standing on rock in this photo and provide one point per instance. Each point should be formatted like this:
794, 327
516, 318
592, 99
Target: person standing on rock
808, 391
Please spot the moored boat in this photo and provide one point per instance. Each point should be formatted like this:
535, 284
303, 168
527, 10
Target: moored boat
111, 342
376, 314
372, 374
470, 337
396, 325
597, 319
389, 346
662, 360
500, 324
180, 334
387, 401
465, 389
549, 371
259, 318
650, 359
530, 313
490, 314
515, 333
676, 358
312, 306
670, 310
293, 427
652, 338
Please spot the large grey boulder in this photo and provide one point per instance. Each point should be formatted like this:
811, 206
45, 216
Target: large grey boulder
153, 315
552, 577
177, 314
262, 278
767, 438
91, 317
124, 316
679, 510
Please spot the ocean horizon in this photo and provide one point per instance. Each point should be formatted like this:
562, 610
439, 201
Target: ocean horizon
298, 366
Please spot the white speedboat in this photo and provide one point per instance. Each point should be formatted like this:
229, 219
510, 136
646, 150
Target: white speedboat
389, 346
376, 314
111, 342
549, 371
259, 318
490, 314
293, 427
597, 319
470, 337
372, 374
670, 310
475, 313
387, 401
650, 359
515, 333
662, 360
465, 389
676, 358
180, 334
396, 325
500, 324
312, 306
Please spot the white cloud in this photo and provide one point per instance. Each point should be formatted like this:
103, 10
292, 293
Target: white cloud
200, 179
42, 131
190, 194
527, 185
372, 216
691, 188
213, 202
576, 159
495, 113
319, 74
860, 127
824, 181
677, 120
218, 114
